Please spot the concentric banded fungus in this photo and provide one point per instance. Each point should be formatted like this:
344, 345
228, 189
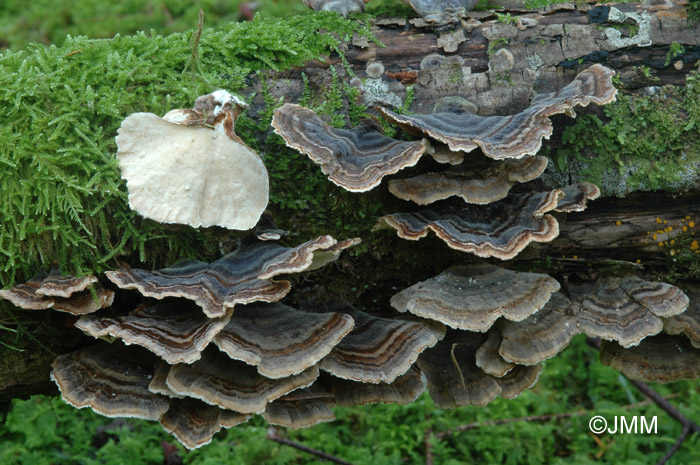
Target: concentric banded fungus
58, 285
195, 423
240, 277
488, 358
159, 384
300, 409
62, 293
111, 379
540, 336
472, 297
378, 349
576, 196
454, 379
477, 183
626, 309
438, 11
356, 159
343, 7
406, 388
498, 230
177, 331
688, 322
233, 385
658, 359
502, 137
178, 170
280, 340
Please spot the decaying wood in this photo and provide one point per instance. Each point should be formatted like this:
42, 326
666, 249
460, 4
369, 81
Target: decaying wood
497, 67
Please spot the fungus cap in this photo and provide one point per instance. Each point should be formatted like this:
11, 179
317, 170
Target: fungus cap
179, 170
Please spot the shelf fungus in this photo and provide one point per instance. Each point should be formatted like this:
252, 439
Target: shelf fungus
379, 349
658, 359
342, 7
473, 297
576, 197
280, 340
241, 277
232, 385
540, 336
110, 379
502, 137
355, 159
455, 380
189, 167
404, 389
488, 358
478, 183
626, 309
688, 322
499, 230
175, 330
63, 293
195, 423
300, 409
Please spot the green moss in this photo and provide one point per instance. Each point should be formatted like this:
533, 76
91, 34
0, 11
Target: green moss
640, 142
64, 200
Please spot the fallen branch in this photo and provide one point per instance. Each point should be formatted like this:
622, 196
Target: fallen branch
273, 436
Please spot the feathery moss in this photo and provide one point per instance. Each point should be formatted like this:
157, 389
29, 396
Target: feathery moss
64, 201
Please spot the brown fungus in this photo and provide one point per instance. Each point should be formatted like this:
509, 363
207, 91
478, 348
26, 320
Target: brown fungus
300, 409
175, 330
499, 230
189, 167
403, 390
502, 137
378, 349
195, 423
455, 380
233, 385
688, 322
356, 159
488, 358
658, 359
540, 336
576, 197
63, 293
240, 277
473, 297
280, 340
110, 379
478, 183
626, 309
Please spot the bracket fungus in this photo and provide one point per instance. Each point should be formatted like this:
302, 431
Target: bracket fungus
576, 197
657, 359
56, 291
195, 423
355, 159
111, 379
488, 358
502, 137
280, 340
626, 309
688, 322
240, 277
455, 380
473, 297
378, 349
478, 183
189, 167
500, 230
404, 389
232, 385
300, 409
176, 331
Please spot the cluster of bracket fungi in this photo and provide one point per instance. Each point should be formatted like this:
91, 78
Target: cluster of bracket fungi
204, 346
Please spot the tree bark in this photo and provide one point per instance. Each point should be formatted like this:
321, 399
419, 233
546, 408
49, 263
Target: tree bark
543, 54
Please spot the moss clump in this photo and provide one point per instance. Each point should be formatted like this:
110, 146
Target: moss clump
64, 200
640, 142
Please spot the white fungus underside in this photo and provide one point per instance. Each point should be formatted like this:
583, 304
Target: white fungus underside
190, 175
